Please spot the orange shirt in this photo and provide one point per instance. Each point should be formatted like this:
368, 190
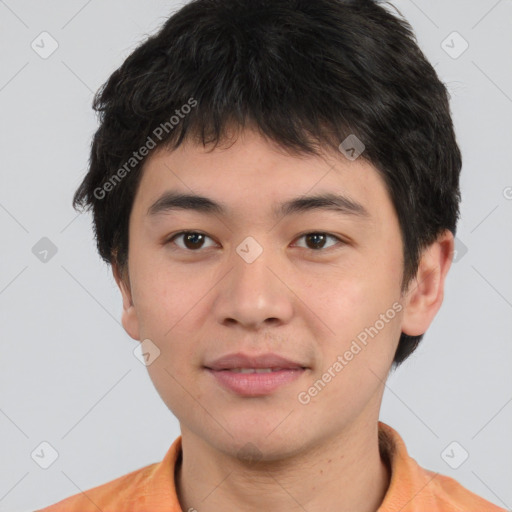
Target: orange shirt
152, 488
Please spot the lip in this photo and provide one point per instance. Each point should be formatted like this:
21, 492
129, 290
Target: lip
254, 384
241, 360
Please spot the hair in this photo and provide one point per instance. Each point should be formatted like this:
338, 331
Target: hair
305, 75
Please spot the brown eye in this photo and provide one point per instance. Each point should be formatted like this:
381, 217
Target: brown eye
316, 241
192, 240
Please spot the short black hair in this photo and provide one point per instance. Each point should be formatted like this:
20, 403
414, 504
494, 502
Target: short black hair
306, 74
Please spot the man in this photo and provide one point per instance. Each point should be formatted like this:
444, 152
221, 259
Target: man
276, 186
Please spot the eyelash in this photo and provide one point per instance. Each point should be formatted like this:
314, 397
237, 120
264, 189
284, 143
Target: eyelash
329, 235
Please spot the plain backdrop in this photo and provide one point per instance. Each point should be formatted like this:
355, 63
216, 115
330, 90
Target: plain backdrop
68, 375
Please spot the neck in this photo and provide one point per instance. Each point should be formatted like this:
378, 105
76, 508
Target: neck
346, 474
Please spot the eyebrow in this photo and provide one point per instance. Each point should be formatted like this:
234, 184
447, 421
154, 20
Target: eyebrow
171, 201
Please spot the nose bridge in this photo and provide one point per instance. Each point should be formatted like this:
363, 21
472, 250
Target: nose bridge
252, 294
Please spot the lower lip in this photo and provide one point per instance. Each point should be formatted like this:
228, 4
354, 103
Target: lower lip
255, 384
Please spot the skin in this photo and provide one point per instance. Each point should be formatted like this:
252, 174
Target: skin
305, 300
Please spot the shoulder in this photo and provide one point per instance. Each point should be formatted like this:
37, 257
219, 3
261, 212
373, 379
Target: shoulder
452, 496
413, 488
108, 496
148, 488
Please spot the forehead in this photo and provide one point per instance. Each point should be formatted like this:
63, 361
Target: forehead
253, 174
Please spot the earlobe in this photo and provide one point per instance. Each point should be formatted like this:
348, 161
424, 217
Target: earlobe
425, 294
129, 316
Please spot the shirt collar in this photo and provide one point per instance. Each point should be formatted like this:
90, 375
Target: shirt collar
411, 488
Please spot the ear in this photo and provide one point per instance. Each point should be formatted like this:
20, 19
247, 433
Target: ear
129, 317
425, 294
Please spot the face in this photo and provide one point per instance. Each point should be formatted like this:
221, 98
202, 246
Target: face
318, 286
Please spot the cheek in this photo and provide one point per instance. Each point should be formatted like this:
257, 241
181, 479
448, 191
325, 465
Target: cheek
162, 296
360, 308
167, 303
171, 303
343, 301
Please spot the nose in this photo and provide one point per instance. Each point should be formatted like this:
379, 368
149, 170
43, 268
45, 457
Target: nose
254, 295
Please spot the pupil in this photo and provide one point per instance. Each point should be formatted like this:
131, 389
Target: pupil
191, 238
315, 237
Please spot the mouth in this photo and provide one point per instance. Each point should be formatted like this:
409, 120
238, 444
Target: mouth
252, 382
254, 375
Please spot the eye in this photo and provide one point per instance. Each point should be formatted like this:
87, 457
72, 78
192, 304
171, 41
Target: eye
192, 240
318, 240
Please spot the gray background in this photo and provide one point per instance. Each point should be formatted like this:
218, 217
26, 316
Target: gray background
68, 375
